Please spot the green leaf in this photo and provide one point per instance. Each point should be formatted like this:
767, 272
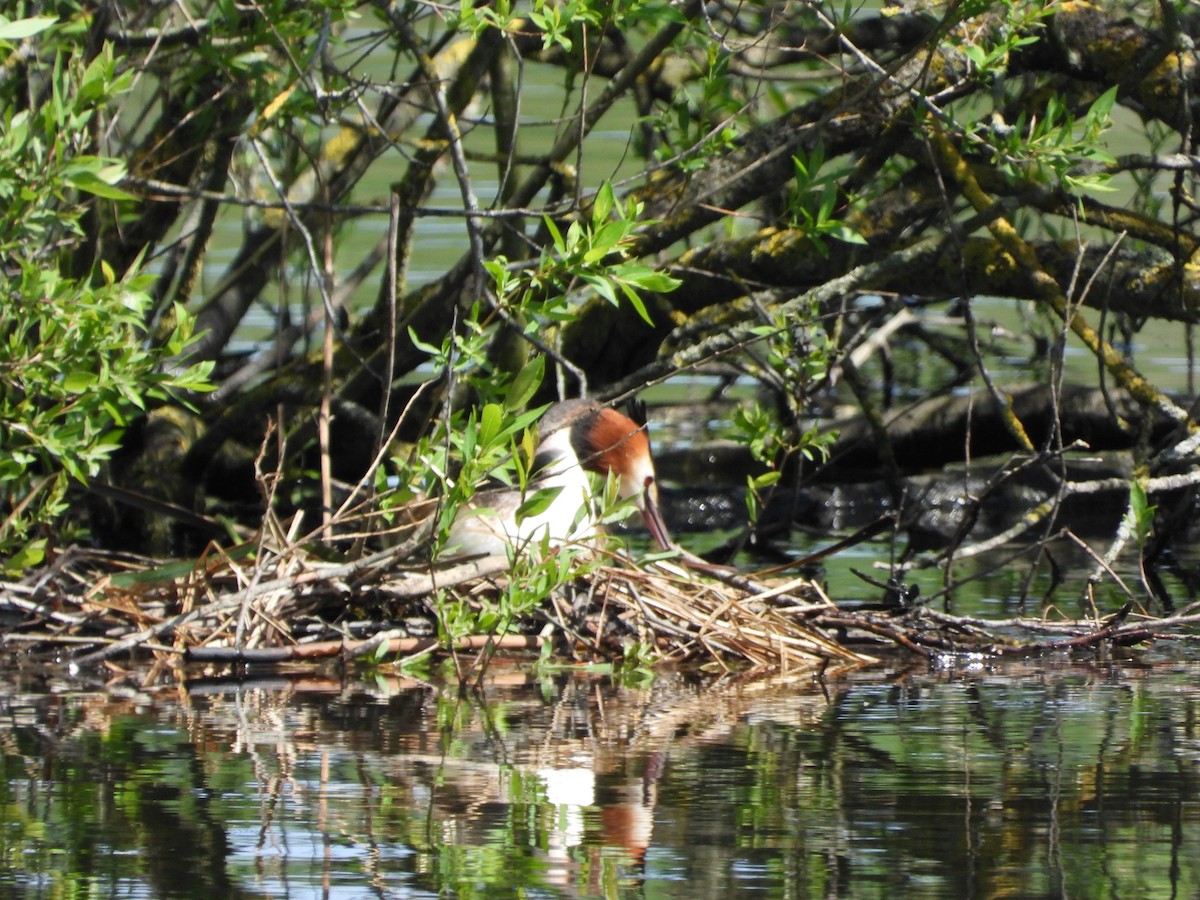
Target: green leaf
603, 204
470, 436
632, 296
1141, 512
27, 556
421, 345
555, 235
976, 54
1102, 106
602, 286
538, 502
78, 382
93, 183
523, 421
605, 240
249, 59
828, 202
766, 479
842, 232
20, 29
573, 238
648, 279
525, 384
490, 419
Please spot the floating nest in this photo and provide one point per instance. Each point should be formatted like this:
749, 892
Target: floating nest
271, 603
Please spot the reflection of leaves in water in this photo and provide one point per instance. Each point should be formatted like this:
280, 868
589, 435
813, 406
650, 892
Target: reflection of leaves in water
955, 776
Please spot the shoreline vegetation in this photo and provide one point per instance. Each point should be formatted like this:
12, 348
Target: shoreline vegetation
945, 253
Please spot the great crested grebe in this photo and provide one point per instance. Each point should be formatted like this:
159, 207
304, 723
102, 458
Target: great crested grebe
576, 437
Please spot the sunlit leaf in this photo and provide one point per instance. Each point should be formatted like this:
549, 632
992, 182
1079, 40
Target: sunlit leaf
94, 184
603, 203
843, 232
525, 384
555, 235
490, 419
538, 502
19, 29
78, 382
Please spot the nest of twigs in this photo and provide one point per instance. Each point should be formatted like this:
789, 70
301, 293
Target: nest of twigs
260, 604
264, 604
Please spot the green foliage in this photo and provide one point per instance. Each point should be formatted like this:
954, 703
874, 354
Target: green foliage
1048, 143
537, 571
703, 120
563, 24
638, 665
1140, 514
78, 367
815, 198
1138, 522
593, 253
487, 449
245, 45
560, 22
495, 442
793, 361
491, 443
990, 49
1053, 147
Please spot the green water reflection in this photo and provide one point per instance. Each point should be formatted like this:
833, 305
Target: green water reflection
1038, 779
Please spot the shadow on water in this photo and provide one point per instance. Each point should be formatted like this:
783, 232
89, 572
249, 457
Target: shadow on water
1052, 778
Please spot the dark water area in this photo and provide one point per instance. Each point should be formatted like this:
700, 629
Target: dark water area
1051, 777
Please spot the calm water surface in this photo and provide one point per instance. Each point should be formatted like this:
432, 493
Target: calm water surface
1047, 778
